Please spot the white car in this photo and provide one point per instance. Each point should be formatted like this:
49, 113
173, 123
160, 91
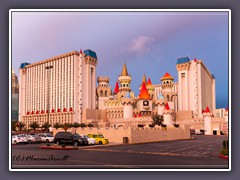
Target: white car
33, 139
16, 139
46, 137
90, 140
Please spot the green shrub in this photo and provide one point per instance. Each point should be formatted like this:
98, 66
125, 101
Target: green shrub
224, 152
225, 144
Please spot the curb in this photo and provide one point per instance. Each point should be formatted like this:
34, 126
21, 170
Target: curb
223, 157
58, 148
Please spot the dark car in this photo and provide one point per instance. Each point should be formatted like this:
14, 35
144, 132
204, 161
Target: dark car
69, 138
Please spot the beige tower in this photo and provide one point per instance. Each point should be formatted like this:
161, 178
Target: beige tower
103, 91
207, 117
196, 88
160, 103
124, 81
168, 90
88, 65
168, 115
127, 102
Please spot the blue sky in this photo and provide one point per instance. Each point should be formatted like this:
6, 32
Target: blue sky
148, 42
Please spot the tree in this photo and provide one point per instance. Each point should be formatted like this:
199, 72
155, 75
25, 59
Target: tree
14, 125
75, 125
21, 126
90, 125
157, 119
46, 126
34, 125
57, 125
83, 125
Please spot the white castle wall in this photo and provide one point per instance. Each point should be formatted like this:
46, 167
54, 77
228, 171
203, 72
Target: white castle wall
136, 135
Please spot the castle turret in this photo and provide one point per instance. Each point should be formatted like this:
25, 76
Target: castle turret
168, 115
124, 80
150, 88
160, 103
127, 103
207, 117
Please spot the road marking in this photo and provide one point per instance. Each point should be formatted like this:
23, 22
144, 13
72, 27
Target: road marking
141, 152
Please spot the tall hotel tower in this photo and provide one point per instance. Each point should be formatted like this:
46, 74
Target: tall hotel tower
196, 87
58, 89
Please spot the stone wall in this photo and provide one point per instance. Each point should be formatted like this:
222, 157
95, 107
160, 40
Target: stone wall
136, 135
139, 135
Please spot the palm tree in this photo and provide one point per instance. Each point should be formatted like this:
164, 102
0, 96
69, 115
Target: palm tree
21, 126
157, 119
14, 125
34, 125
57, 125
46, 126
75, 125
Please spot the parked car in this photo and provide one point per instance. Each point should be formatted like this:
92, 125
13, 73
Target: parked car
16, 139
33, 139
69, 138
46, 137
99, 138
90, 140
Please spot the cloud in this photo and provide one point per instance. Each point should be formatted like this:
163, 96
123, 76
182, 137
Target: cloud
140, 44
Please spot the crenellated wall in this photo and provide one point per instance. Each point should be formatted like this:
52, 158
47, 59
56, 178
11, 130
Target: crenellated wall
136, 135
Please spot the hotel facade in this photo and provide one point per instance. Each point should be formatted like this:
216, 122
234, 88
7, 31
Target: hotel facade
52, 90
63, 89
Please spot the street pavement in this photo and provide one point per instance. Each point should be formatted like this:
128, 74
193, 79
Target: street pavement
197, 153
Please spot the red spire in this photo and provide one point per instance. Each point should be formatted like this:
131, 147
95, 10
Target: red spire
167, 106
37, 112
139, 115
116, 90
80, 51
47, 111
195, 60
134, 115
28, 113
70, 109
64, 110
144, 92
58, 110
42, 111
149, 82
52, 111
32, 112
207, 110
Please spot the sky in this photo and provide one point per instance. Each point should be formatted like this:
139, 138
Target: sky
148, 42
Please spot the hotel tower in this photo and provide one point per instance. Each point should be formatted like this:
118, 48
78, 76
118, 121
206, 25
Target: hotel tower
58, 89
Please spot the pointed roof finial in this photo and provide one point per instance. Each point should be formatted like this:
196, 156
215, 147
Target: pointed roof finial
116, 89
195, 60
80, 51
124, 70
144, 79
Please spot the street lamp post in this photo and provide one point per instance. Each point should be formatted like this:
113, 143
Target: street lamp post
48, 89
81, 111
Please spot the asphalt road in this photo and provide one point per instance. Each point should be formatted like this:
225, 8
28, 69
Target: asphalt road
200, 152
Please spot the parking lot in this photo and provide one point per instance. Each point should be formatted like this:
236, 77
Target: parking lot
199, 152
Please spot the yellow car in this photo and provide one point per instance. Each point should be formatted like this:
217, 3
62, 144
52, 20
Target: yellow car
99, 138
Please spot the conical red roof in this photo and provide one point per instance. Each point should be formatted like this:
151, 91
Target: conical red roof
207, 110
144, 92
167, 106
149, 82
116, 89
167, 75
80, 51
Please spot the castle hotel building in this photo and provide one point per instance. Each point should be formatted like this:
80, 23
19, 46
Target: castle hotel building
63, 89
52, 90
